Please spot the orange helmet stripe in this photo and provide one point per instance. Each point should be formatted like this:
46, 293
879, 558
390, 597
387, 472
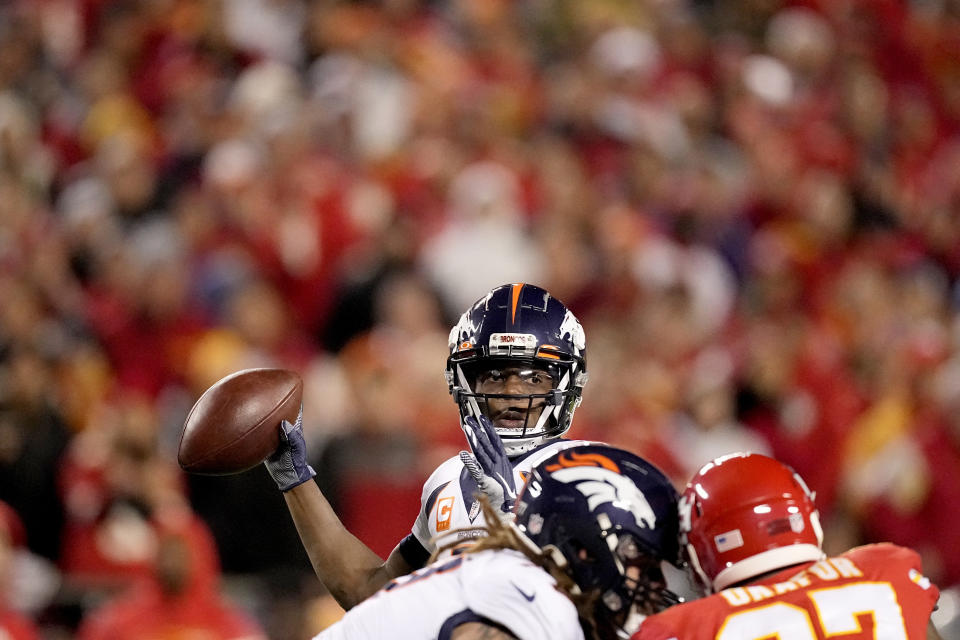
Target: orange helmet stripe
583, 460
517, 288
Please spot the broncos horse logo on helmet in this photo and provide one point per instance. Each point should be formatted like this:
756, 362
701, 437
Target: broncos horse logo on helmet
608, 518
519, 325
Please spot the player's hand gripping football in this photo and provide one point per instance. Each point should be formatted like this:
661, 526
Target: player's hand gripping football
288, 465
489, 464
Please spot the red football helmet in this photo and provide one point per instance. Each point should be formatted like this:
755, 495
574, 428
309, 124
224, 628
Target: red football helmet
745, 514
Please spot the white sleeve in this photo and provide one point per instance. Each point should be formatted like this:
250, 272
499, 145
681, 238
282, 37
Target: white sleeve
442, 475
524, 599
421, 526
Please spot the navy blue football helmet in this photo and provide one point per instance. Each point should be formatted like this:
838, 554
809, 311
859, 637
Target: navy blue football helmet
608, 518
519, 325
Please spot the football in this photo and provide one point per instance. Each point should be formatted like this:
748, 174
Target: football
235, 425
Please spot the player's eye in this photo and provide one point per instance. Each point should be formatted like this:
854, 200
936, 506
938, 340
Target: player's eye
537, 378
529, 380
493, 375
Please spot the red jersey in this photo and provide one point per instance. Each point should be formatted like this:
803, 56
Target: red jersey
874, 592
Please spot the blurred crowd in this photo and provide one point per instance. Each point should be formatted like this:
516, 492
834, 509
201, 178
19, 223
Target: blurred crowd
753, 206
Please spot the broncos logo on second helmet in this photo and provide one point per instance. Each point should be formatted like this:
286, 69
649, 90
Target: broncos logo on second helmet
601, 487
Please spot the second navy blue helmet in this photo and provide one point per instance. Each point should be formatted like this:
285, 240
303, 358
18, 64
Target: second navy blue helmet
609, 519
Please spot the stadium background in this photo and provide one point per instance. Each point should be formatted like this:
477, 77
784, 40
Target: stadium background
753, 206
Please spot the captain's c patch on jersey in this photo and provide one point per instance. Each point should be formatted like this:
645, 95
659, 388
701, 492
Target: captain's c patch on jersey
444, 513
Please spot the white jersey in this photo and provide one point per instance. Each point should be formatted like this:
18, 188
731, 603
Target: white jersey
449, 501
498, 586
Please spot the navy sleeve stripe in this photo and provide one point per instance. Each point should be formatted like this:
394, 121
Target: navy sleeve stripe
413, 552
432, 500
463, 617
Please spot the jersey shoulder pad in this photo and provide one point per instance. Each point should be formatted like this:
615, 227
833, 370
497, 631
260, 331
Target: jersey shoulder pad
544, 451
448, 470
884, 554
897, 565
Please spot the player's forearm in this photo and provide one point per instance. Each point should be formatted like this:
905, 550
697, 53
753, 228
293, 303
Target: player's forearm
346, 566
932, 632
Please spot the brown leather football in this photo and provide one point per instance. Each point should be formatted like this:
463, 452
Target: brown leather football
235, 425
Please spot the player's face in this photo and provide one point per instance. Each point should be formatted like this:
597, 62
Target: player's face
520, 382
647, 580
644, 580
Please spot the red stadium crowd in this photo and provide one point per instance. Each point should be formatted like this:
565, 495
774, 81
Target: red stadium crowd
753, 208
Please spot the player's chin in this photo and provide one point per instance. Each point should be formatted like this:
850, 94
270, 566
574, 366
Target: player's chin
510, 425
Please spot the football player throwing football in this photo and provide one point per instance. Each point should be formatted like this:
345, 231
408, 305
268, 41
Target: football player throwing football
516, 370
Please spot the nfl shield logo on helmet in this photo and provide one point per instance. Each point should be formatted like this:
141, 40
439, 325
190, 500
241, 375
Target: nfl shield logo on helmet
796, 522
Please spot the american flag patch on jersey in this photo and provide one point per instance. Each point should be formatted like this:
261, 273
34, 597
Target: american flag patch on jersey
728, 541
